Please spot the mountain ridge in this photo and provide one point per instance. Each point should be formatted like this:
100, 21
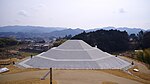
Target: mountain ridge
128, 30
36, 31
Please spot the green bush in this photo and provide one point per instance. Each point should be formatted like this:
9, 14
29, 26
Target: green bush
144, 56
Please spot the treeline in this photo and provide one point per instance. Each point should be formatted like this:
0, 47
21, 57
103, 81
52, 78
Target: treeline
115, 40
145, 40
143, 56
141, 40
4, 42
61, 40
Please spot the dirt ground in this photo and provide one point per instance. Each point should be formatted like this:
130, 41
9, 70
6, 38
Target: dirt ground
142, 68
32, 76
65, 77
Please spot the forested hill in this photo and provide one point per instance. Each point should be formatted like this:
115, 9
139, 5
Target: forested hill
106, 40
115, 40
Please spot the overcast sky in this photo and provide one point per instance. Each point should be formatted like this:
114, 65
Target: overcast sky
84, 14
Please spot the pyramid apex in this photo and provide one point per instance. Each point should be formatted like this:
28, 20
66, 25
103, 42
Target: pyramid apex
74, 44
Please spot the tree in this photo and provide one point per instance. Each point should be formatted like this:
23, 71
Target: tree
68, 37
133, 42
133, 37
140, 38
7, 42
144, 56
106, 40
58, 42
146, 40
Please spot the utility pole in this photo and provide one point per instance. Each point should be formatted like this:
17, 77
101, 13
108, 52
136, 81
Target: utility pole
50, 75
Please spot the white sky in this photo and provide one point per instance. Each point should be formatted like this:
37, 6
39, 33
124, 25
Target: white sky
83, 14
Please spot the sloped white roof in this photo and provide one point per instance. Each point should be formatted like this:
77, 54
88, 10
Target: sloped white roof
75, 54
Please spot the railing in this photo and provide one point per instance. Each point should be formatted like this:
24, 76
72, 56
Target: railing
43, 78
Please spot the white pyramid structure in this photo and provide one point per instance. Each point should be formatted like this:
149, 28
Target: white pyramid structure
75, 54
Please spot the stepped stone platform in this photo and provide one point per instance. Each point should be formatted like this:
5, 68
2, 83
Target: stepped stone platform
75, 54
